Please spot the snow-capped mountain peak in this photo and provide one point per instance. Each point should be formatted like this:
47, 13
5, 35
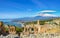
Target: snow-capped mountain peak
47, 15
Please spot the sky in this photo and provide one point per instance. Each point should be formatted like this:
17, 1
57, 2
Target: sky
27, 8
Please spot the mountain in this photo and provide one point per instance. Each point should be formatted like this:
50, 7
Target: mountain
47, 15
39, 17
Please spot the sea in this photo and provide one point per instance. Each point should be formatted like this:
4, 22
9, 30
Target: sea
9, 22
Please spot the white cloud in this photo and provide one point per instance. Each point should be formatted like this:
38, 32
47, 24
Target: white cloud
48, 11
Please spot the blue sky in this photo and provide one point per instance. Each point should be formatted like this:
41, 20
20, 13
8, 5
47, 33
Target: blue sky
27, 8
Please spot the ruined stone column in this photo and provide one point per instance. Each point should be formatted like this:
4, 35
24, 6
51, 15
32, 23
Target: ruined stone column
38, 22
24, 29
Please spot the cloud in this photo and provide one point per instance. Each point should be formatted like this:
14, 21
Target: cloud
47, 11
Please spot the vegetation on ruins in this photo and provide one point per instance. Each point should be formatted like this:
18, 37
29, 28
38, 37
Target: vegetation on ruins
19, 29
42, 22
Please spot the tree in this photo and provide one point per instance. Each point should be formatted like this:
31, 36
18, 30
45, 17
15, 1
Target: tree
19, 29
42, 22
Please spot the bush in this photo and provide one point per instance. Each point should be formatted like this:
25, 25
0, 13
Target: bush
19, 29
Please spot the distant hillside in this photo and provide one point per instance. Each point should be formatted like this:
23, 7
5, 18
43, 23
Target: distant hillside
27, 19
55, 21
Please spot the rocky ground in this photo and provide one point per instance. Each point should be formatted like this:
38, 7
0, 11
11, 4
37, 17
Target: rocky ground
40, 36
10, 36
30, 36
